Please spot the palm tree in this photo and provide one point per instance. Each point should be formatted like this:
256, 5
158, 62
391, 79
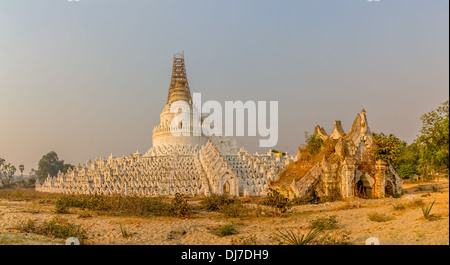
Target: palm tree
21, 168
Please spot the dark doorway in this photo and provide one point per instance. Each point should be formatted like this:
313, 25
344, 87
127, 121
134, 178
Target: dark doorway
360, 190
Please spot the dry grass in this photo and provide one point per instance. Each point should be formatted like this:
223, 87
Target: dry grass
380, 217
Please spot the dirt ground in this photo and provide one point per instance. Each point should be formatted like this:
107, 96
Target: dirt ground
407, 227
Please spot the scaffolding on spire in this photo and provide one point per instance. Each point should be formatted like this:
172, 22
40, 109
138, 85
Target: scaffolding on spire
179, 77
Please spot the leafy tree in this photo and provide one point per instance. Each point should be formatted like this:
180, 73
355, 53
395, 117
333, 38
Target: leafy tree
389, 148
408, 162
49, 165
7, 172
66, 167
434, 139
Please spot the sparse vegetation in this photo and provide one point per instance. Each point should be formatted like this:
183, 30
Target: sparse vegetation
244, 240
342, 238
225, 204
427, 213
276, 200
123, 231
214, 202
399, 207
435, 188
325, 223
225, 230
119, 205
84, 215
181, 207
289, 237
235, 209
57, 228
61, 207
379, 217
417, 202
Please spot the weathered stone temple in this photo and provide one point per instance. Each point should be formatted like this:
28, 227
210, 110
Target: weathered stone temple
346, 167
190, 165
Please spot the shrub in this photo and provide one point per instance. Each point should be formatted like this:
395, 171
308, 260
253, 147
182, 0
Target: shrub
235, 209
399, 207
181, 207
215, 202
417, 202
325, 223
277, 200
420, 188
435, 188
397, 195
61, 207
379, 217
225, 230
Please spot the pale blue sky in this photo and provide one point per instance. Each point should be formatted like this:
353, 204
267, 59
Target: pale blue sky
89, 78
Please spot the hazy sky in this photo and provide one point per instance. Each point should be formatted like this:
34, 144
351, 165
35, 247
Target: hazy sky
90, 78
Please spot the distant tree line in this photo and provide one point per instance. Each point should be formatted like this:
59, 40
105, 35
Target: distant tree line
7, 172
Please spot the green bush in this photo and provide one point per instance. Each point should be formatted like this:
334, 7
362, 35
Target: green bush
215, 202
61, 207
278, 201
181, 207
225, 230
235, 209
